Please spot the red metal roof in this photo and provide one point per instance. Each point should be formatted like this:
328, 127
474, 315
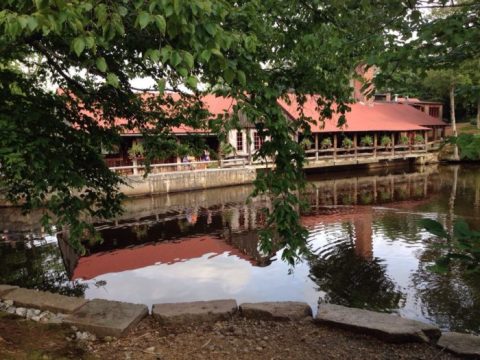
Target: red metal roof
365, 117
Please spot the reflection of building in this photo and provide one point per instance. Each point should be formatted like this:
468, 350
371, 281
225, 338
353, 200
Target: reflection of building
129, 246
363, 235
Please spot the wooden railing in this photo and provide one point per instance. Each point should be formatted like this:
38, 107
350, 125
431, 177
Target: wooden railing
137, 169
371, 151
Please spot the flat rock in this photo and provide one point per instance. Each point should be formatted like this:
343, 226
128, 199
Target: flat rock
461, 344
44, 300
286, 310
385, 326
197, 311
5, 289
107, 318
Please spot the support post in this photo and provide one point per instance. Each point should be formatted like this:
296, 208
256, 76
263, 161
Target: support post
135, 166
392, 137
375, 145
355, 145
316, 146
425, 138
335, 146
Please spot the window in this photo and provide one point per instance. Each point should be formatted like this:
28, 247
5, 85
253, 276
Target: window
434, 111
239, 141
257, 141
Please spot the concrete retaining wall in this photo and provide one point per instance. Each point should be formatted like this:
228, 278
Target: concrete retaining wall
186, 181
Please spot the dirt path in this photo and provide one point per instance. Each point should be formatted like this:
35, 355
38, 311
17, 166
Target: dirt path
235, 339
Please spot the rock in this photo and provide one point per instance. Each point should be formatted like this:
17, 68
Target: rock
385, 326
197, 311
259, 348
107, 318
36, 318
5, 289
8, 302
20, 311
287, 310
461, 344
44, 300
150, 350
11, 310
85, 336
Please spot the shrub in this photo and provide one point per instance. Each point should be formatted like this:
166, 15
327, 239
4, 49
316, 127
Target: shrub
468, 146
366, 141
386, 140
347, 143
404, 140
418, 139
326, 143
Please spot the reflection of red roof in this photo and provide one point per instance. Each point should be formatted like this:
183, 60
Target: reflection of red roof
89, 267
365, 117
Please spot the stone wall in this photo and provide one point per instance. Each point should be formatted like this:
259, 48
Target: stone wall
186, 180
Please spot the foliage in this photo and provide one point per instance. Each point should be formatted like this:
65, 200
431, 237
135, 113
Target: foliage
326, 143
367, 140
306, 143
468, 145
386, 140
404, 140
347, 143
418, 139
462, 245
136, 151
254, 51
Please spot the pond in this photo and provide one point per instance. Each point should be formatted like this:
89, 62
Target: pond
368, 249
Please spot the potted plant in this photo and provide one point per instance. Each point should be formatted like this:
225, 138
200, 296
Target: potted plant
404, 140
347, 143
366, 141
386, 141
326, 143
136, 151
418, 139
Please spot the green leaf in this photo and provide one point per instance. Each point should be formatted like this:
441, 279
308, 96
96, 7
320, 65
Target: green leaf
154, 55
78, 45
143, 19
228, 75
434, 227
182, 71
241, 77
175, 58
161, 23
192, 82
101, 64
112, 79
32, 23
205, 55
188, 59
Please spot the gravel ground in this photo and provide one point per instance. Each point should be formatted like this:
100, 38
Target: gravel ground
248, 339
235, 339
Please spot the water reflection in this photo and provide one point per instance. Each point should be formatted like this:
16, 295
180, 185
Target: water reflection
368, 250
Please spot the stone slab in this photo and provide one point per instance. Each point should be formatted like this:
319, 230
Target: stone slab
5, 289
107, 318
44, 300
197, 311
461, 344
385, 326
286, 310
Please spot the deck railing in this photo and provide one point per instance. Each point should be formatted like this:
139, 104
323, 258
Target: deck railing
137, 169
354, 153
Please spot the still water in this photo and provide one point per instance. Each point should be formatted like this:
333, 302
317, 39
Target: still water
368, 250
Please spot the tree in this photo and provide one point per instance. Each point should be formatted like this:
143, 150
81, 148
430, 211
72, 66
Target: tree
472, 69
446, 81
254, 51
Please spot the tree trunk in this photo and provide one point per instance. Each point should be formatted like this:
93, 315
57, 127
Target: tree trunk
478, 113
456, 157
